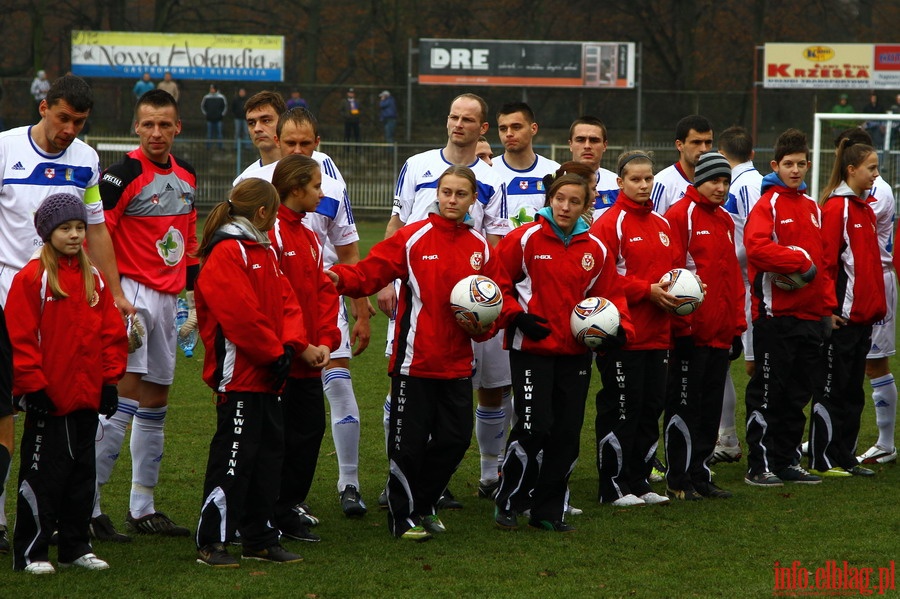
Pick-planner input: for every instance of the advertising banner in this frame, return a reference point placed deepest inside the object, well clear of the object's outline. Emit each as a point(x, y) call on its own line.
point(832, 66)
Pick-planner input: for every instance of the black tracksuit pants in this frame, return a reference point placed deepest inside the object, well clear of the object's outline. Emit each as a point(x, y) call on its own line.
point(627, 425)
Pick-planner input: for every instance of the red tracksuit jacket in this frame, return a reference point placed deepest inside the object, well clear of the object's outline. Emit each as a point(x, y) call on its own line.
point(299, 255)
point(703, 240)
point(247, 312)
point(551, 276)
point(68, 346)
point(852, 257)
point(641, 243)
point(429, 257)
point(784, 217)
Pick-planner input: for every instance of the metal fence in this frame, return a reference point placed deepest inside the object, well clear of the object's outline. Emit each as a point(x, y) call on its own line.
point(370, 169)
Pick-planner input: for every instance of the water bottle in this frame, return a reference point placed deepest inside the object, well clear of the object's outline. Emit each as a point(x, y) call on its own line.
point(188, 342)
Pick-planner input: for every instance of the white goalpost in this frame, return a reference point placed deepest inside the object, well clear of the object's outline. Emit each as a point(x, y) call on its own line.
point(828, 124)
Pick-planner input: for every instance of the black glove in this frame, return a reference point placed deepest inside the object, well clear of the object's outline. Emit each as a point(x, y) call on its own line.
point(282, 367)
point(39, 403)
point(737, 348)
point(109, 401)
point(809, 275)
point(532, 325)
point(684, 346)
point(612, 342)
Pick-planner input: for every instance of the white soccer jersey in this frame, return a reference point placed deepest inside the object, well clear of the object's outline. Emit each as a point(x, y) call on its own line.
point(882, 201)
point(746, 184)
point(30, 176)
point(416, 192)
point(332, 221)
point(328, 166)
point(669, 186)
point(607, 191)
point(525, 193)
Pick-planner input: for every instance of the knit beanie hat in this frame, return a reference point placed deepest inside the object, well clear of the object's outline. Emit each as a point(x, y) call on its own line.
point(57, 209)
point(710, 166)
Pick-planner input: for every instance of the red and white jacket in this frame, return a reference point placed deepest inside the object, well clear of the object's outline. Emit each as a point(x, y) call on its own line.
point(551, 276)
point(703, 241)
point(299, 254)
point(853, 257)
point(640, 242)
point(68, 346)
point(783, 217)
point(247, 312)
point(429, 257)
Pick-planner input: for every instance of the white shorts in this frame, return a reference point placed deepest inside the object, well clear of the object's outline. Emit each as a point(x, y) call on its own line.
point(884, 331)
point(155, 359)
point(343, 323)
point(491, 364)
point(7, 273)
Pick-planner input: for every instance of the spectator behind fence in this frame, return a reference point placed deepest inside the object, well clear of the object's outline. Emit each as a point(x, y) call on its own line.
point(213, 105)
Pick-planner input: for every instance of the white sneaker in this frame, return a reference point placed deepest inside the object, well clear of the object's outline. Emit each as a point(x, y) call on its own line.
point(88, 561)
point(726, 453)
point(571, 510)
point(652, 498)
point(804, 448)
point(40, 568)
point(629, 500)
point(877, 455)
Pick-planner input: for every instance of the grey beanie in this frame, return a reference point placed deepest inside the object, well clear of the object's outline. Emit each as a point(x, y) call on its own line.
point(710, 166)
point(57, 209)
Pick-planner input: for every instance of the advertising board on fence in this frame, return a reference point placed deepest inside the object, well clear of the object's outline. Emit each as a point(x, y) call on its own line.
point(526, 63)
point(832, 66)
point(185, 55)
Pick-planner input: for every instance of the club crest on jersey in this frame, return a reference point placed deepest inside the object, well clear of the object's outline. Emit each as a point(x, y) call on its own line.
point(187, 198)
point(477, 260)
point(664, 239)
point(154, 199)
point(95, 299)
point(69, 174)
point(49, 172)
point(171, 247)
point(540, 185)
point(523, 185)
point(587, 262)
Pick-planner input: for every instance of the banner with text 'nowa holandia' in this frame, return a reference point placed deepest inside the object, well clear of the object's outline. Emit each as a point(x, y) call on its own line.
point(832, 66)
point(185, 55)
point(526, 63)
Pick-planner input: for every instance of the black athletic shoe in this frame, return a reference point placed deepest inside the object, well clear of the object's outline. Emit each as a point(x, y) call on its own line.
point(102, 529)
point(215, 555)
point(275, 553)
point(505, 519)
point(382, 499)
point(683, 494)
point(488, 490)
point(351, 502)
point(712, 491)
point(305, 513)
point(448, 502)
point(4, 541)
point(298, 531)
point(155, 524)
point(557, 526)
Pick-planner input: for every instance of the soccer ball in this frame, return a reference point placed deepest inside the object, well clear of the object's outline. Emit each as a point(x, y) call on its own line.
point(790, 281)
point(687, 289)
point(593, 320)
point(476, 299)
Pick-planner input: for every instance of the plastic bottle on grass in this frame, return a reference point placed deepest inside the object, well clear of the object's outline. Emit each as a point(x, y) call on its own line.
point(188, 342)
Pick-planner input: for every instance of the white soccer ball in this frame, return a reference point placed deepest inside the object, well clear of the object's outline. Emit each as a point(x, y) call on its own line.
point(687, 289)
point(476, 299)
point(593, 320)
point(791, 281)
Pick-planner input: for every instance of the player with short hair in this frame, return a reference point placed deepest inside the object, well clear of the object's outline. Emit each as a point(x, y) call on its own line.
point(693, 136)
point(36, 162)
point(149, 201)
point(737, 147)
point(588, 142)
point(484, 151)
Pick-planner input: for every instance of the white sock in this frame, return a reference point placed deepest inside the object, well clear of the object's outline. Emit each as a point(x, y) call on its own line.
point(727, 420)
point(7, 466)
point(110, 434)
point(884, 395)
point(387, 420)
point(146, 455)
point(491, 436)
point(344, 424)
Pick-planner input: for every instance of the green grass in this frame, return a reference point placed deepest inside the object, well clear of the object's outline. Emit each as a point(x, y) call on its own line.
point(707, 549)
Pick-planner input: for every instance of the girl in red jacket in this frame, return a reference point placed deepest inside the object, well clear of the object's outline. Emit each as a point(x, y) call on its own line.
point(634, 377)
point(251, 326)
point(554, 263)
point(852, 260)
point(299, 183)
point(69, 351)
point(431, 366)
